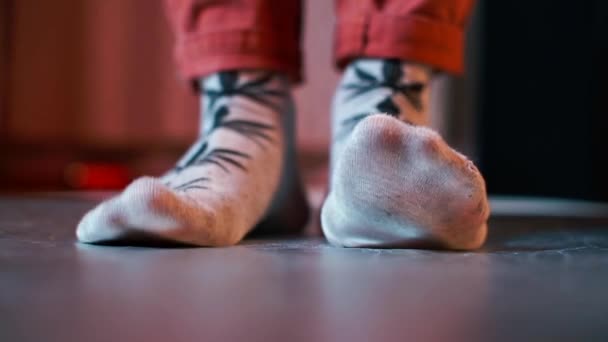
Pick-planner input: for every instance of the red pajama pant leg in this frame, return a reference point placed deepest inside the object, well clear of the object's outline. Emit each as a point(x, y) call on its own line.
point(425, 31)
point(217, 35)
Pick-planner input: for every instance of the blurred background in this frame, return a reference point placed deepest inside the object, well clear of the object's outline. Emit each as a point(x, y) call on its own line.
point(89, 97)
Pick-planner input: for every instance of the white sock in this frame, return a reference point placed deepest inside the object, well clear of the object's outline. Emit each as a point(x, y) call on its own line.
point(394, 182)
point(240, 172)
point(372, 86)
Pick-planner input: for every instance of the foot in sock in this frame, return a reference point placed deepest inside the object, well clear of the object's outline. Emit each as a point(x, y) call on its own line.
point(240, 172)
point(395, 183)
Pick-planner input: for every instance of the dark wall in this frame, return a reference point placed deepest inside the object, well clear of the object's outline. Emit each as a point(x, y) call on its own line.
point(543, 111)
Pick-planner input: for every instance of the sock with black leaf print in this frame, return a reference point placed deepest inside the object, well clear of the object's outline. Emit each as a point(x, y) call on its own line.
point(394, 182)
point(240, 172)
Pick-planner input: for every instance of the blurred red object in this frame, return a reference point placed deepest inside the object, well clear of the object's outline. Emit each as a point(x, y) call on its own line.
point(97, 176)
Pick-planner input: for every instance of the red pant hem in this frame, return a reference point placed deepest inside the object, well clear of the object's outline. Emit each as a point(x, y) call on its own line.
point(413, 38)
point(202, 54)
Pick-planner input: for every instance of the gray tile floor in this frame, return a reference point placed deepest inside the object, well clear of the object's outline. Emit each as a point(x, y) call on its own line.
point(537, 279)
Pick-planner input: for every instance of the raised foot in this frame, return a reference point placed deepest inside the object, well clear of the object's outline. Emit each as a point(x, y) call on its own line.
point(397, 185)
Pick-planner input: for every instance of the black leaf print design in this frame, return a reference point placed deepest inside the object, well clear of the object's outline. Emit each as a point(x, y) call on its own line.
point(258, 132)
point(258, 83)
point(228, 79)
point(254, 90)
point(222, 156)
point(253, 130)
point(363, 75)
point(389, 107)
point(250, 129)
point(217, 156)
point(348, 124)
point(196, 155)
point(196, 183)
point(392, 73)
point(219, 116)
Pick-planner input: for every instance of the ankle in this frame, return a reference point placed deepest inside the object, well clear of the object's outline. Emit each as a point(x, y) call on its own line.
point(370, 86)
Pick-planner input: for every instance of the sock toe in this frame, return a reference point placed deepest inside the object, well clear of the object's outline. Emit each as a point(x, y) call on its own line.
point(96, 225)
